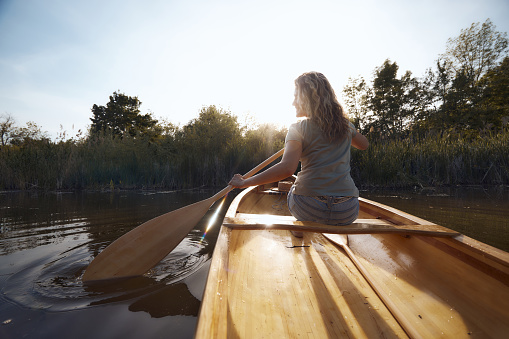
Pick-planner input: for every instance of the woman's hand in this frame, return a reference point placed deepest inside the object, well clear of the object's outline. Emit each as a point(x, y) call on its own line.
point(238, 181)
point(281, 170)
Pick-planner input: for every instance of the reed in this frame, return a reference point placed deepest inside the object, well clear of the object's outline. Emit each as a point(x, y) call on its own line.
point(105, 163)
point(96, 163)
point(434, 161)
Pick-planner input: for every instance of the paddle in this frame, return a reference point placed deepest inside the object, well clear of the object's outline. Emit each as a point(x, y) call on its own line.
point(342, 241)
point(142, 248)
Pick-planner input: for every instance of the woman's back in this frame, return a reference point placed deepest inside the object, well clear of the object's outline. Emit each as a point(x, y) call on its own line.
point(325, 166)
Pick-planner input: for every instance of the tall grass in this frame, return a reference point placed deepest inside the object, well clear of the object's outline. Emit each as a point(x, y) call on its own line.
point(96, 163)
point(104, 163)
point(434, 161)
point(109, 163)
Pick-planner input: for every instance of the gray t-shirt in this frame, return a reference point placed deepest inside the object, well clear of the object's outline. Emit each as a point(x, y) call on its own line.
point(325, 166)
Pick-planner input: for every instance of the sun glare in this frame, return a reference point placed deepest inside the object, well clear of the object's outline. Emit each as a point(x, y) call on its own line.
point(266, 219)
point(213, 219)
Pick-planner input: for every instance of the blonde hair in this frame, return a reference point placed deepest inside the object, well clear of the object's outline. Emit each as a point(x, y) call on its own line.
point(317, 98)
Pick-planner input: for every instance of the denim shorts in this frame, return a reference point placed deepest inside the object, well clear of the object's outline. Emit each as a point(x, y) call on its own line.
point(330, 210)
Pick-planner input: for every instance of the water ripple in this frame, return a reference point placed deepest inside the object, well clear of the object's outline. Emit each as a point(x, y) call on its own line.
point(53, 282)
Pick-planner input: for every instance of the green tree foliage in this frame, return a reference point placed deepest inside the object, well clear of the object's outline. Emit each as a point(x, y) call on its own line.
point(389, 100)
point(465, 94)
point(121, 116)
point(260, 143)
point(209, 144)
point(6, 129)
point(494, 102)
point(420, 100)
point(475, 51)
point(20, 136)
point(469, 57)
point(355, 96)
point(385, 101)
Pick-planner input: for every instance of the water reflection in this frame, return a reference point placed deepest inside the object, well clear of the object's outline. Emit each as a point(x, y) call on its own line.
point(47, 241)
point(169, 301)
point(480, 213)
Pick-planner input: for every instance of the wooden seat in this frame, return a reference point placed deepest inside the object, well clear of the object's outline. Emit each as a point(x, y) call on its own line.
point(360, 226)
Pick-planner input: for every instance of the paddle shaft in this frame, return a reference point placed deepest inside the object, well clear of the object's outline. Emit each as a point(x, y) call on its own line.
point(249, 174)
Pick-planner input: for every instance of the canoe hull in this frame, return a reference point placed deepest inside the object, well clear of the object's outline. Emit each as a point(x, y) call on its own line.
point(267, 283)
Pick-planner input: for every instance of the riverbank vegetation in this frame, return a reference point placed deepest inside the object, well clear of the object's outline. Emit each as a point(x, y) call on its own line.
point(205, 152)
point(449, 127)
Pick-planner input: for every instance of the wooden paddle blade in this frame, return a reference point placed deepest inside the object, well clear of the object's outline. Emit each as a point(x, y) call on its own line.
point(142, 248)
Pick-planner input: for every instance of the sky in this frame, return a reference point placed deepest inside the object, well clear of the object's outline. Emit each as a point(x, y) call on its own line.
point(60, 57)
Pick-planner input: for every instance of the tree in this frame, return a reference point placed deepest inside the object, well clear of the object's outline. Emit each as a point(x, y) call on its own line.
point(10, 134)
point(496, 86)
point(214, 131)
point(387, 99)
point(208, 143)
point(432, 92)
point(494, 101)
point(422, 97)
point(476, 50)
point(441, 82)
point(261, 142)
point(6, 128)
point(121, 116)
point(355, 95)
point(458, 88)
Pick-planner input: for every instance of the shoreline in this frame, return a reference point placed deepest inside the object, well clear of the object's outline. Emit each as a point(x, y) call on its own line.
point(194, 189)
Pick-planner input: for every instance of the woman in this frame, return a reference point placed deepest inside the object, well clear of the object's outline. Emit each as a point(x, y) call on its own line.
point(324, 191)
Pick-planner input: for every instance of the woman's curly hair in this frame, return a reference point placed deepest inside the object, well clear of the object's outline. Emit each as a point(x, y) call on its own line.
point(317, 98)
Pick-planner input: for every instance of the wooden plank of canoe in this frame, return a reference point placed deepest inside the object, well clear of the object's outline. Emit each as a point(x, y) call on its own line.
point(278, 286)
point(361, 226)
point(442, 295)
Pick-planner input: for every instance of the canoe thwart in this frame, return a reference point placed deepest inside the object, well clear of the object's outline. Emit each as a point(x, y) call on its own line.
point(360, 226)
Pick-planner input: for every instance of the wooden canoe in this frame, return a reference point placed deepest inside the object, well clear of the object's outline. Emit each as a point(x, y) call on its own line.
point(399, 276)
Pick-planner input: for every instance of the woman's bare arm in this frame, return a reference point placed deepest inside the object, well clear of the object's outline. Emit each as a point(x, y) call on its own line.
point(359, 141)
point(279, 171)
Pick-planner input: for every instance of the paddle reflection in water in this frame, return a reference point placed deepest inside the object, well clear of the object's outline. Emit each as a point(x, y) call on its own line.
point(47, 241)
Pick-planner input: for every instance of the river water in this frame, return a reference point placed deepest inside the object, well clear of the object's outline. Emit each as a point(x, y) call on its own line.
point(48, 239)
